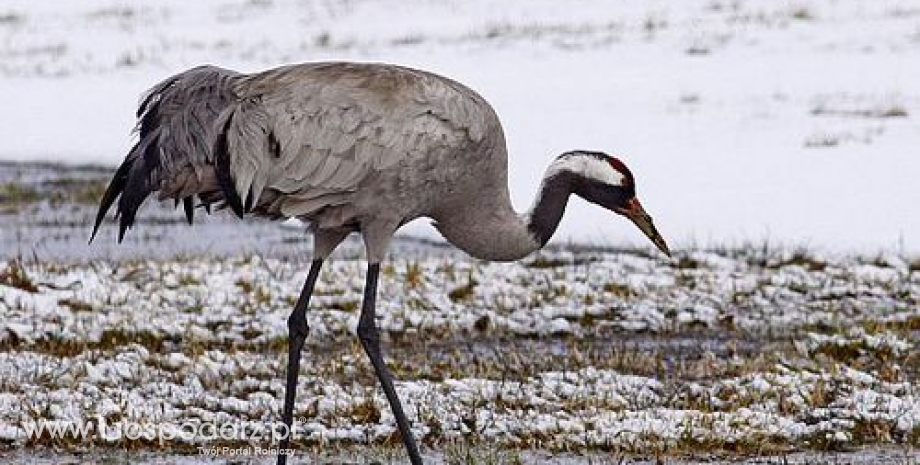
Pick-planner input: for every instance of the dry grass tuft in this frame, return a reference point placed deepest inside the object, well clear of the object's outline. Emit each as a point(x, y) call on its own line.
point(803, 259)
point(465, 291)
point(415, 276)
point(15, 276)
point(76, 305)
point(17, 194)
point(620, 290)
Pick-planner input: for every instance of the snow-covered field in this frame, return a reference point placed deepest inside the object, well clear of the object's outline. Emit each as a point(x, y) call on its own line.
point(788, 120)
point(717, 352)
point(614, 353)
point(775, 143)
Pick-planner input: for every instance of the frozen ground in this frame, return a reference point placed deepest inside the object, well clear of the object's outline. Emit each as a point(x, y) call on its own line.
point(867, 456)
point(610, 353)
point(744, 120)
point(628, 360)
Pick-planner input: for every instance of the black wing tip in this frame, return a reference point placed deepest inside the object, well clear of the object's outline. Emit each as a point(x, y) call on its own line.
point(112, 192)
point(104, 206)
point(93, 235)
point(231, 197)
point(189, 207)
point(122, 229)
point(100, 215)
point(222, 170)
point(130, 187)
point(236, 205)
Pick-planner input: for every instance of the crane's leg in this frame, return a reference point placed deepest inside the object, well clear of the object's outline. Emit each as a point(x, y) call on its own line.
point(297, 334)
point(370, 340)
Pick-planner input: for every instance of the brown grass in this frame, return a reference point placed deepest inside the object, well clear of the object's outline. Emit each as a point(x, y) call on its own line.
point(15, 276)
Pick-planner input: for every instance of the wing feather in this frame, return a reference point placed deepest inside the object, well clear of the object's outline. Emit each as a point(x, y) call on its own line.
point(172, 154)
point(329, 128)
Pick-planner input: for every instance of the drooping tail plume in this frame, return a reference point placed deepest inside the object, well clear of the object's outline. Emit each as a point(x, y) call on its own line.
point(173, 153)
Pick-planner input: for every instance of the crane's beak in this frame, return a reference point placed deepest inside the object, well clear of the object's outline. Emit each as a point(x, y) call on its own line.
point(637, 214)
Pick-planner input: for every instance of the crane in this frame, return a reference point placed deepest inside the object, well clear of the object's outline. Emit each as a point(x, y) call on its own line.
point(351, 147)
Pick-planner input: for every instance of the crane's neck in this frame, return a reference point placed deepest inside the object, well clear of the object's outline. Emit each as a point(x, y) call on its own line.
point(494, 231)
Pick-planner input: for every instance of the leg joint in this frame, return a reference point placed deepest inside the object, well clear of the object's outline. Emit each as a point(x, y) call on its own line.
point(297, 325)
point(368, 332)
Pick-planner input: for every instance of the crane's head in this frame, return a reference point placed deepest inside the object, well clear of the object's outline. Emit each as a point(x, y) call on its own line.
point(606, 181)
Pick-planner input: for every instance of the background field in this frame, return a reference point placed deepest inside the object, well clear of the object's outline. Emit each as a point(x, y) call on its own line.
point(774, 142)
point(793, 121)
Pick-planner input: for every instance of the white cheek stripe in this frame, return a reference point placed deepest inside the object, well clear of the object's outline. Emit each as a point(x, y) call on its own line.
point(589, 167)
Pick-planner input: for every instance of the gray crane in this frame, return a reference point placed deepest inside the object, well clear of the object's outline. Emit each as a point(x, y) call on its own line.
point(351, 147)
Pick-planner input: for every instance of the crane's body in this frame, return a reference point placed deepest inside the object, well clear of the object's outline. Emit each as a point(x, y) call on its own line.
point(329, 143)
point(351, 147)
point(391, 120)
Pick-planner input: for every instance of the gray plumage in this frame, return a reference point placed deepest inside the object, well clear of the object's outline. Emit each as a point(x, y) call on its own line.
point(335, 144)
point(351, 147)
